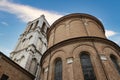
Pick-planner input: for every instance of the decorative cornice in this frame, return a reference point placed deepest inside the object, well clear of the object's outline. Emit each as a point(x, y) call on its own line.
point(35, 48)
point(80, 39)
point(27, 48)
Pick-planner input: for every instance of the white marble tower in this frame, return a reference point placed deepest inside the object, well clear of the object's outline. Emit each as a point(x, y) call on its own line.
point(31, 46)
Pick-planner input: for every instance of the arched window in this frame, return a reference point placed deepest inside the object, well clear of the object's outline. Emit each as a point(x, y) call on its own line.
point(30, 37)
point(36, 24)
point(87, 67)
point(33, 66)
point(114, 60)
point(58, 70)
point(30, 27)
point(24, 42)
point(43, 27)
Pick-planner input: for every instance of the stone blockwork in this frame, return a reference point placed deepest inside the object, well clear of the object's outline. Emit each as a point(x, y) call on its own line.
point(13, 70)
point(31, 46)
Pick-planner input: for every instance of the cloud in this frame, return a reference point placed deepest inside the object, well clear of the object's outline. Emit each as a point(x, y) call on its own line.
point(4, 23)
point(110, 33)
point(27, 13)
point(119, 43)
point(5, 51)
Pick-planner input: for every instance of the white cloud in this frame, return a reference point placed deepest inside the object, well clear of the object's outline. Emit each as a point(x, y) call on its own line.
point(4, 23)
point(110, 33)
point(27, 13)
point(5, 51)
point(119, 43)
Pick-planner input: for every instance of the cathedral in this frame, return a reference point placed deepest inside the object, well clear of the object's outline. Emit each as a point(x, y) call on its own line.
point(74, 47)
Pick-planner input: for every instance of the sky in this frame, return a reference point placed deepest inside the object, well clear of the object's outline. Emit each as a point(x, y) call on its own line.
point(15, 14)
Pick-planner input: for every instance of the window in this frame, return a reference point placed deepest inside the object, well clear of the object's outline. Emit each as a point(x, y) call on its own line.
point(115, 63)
point(23, 43)
point(33, 66)
point(30, 27)
point(4, 77)
point(43, 27)
point(87, 67)
point(23, 40)
point(30, 37)
point(58, 70)
point(39, 44)
point(36, 24)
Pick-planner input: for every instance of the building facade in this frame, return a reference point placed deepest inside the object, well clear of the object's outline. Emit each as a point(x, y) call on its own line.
point(9, 70)
point(79, 50)
point(74, 47)
point(31, 46)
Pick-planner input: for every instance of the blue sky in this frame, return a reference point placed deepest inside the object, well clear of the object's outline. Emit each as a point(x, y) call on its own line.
point(14, 15)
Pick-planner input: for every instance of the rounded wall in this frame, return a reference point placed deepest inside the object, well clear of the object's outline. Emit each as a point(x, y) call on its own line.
point(74, 25)
point(69, 52)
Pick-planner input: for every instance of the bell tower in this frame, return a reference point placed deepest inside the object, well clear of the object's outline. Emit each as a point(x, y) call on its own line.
point(31, 46)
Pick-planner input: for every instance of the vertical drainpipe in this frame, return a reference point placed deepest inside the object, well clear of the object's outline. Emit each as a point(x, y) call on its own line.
point(83, 21)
